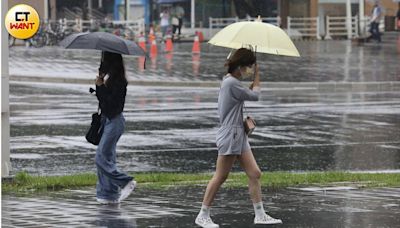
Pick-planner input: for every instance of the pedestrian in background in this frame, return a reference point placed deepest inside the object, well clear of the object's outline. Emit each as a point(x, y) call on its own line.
point(177, 23)
point(232, 141)
point(164, 23)
point(113, 186)
point(375, 19)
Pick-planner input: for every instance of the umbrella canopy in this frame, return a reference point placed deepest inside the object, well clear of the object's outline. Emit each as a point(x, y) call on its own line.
point(102, 41)
point(263, 37)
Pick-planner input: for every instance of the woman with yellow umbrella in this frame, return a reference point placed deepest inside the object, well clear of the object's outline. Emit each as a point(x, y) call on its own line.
point(232, 137)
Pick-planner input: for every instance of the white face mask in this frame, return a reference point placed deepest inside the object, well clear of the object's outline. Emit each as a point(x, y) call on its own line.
point(248, 72)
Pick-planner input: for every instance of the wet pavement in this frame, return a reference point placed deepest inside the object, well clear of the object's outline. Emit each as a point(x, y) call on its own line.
point(297, 207)
point(336, 108)
point(321, 61)
point(317, 125)
point(173, 129)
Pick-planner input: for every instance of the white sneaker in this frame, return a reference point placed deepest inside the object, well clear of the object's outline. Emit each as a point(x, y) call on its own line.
point(206, 222)
point(266, 220)
point(105, 201)
point(127, 190)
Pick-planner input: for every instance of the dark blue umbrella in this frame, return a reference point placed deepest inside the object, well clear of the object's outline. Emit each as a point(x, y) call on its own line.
point(102, 41)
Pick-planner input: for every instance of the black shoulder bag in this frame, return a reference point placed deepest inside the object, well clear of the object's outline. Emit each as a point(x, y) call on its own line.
point(96, 127)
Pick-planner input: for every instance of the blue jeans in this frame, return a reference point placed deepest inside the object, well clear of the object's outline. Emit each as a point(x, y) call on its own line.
point(164, 30)
point(375, 31)
point(109, 178)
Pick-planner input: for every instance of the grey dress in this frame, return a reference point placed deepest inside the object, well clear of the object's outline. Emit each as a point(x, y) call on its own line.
point(231, 138)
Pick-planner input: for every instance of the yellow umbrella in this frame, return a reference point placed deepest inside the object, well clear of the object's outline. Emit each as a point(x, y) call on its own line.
point(263, 37)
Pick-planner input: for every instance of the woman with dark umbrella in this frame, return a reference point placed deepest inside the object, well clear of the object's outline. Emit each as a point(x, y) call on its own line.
point(113, 186)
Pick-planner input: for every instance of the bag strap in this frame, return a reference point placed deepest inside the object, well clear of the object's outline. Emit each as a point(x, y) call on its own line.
point(245, 109)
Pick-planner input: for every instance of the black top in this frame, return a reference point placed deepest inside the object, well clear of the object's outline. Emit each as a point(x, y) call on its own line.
point(111, 100)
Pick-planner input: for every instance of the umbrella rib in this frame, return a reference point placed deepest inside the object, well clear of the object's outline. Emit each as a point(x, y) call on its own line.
point(238, 33)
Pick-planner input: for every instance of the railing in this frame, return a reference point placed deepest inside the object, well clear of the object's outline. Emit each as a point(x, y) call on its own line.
point(337, 26)
point(78, 25)
point(272, 20)
point(306, 26)
point(137, 26)
point(303, 27)
point(218, 23)
point(221, 22)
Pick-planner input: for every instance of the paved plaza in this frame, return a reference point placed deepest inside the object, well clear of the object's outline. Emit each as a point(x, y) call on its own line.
point(297, 207)
point(335, 109)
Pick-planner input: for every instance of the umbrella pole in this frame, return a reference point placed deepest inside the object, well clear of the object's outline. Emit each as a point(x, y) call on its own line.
point(229, 55)
point(255, 55)
point(255, 52)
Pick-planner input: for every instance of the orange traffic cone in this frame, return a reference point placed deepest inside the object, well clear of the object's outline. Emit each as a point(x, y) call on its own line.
point(151, 35)
point(153, 62)
point(142, 42)
point(195, 64)
point(201, 36)
point(168, 45)
point(169, 57)
point(196, 45)
point(153, 49)
point(141, 63)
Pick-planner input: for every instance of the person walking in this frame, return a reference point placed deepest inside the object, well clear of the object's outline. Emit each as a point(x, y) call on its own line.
point(164, 23)
point(112, 186)
point(177, 22)
point(376, 18)
point(232, 141)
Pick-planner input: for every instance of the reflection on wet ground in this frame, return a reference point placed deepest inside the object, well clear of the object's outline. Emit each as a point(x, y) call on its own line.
point(321, 61)
point(173, 129)
point(297, 207)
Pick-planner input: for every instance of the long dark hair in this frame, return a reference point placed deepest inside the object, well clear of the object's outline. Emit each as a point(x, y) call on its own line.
point(113, 65)
point(241, 57)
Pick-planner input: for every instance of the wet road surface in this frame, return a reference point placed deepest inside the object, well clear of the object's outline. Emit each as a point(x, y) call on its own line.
point(300, 127)
point(298, 207)
point(173, 129)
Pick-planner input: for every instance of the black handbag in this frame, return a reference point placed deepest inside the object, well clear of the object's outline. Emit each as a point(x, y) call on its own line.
point(96, 129)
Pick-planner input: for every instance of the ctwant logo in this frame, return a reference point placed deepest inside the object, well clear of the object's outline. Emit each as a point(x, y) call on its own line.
point(22, 21)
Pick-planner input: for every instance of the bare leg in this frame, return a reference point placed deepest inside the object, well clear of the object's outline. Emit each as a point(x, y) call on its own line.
point(253, 172)
point(224, 166)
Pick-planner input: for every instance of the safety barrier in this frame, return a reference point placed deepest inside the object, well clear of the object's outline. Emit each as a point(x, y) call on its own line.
point(79, 25)
point(337, 26)
point(303, 27)
point(137, 26)
point(218, 23)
